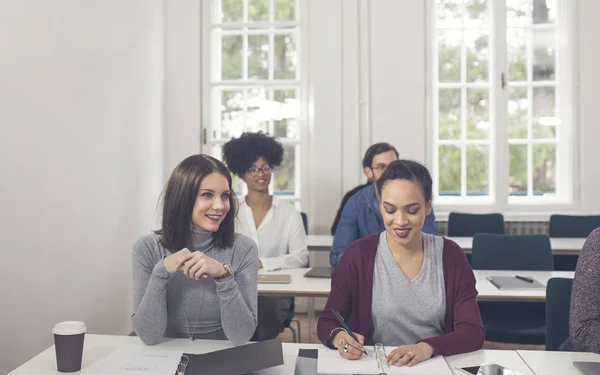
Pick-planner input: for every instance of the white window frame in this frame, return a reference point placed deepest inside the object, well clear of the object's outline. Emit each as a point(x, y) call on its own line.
point(498, 200)
point(211, 65)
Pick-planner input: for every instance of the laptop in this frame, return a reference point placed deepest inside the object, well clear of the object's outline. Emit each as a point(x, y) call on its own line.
point(265, 278)
point(320, 272)
point(588, 368)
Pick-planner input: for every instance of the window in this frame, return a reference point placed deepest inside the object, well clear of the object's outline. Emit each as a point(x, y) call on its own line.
point(254, 69)
point(501, 101)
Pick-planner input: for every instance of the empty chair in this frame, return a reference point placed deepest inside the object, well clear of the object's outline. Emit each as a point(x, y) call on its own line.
point(513, 322)
point(558, 305)
point(571, 226)
point(467, 225)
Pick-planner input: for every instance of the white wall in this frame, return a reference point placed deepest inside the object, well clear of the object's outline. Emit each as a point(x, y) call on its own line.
point(81, 97)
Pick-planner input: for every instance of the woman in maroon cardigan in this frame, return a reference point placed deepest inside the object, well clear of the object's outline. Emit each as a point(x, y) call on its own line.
point(402, 287)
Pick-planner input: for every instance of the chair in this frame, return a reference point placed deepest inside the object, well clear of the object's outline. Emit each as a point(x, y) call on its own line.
point(467, 225)
point(571, 226)
point(558, 305)
point(304, 221)
point(513, 322)
point(288, 323)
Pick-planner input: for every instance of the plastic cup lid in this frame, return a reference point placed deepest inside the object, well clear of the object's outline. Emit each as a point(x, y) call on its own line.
point(69, 328)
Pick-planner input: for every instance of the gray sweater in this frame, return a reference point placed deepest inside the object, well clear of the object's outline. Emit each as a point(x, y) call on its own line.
point(584, 318)
point(173, 305)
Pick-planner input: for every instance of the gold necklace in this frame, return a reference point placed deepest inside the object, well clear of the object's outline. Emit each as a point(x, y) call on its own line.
point(191, 335)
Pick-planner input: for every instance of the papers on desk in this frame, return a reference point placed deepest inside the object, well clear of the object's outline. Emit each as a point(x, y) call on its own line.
point(330, 362)
point(136, 362)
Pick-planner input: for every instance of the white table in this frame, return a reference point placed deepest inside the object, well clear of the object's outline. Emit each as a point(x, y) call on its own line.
point(560, 246)
point(301, 286)
point(98, 347)
point(556, 362)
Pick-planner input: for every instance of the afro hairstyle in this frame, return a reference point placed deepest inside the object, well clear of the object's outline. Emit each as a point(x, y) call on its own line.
point(240, 153)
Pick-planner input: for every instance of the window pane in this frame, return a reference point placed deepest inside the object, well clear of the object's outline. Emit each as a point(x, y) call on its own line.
point(518, 107)
point(544, 113)
point(258, 57)
point(476, 13)
point(232, 10)
point(285, 113)
point(231, 57)
point(517, 54)
point(477, 170)
point(232, 113)
point(285, 10)
point(476, 43)
point(478, 114)
point(258, 10)
point(286, 56)
point(544, 55)
point(285, 176)
point(544, 11)
point(516, 12)
point(257, 111)
point(449, 170)
point(449, 13)
point(518, 170)
point(449, 114)
point(449, 55)
point(544, 169)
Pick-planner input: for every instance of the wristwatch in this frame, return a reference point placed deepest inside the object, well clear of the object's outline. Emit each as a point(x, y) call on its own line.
point(228, 269)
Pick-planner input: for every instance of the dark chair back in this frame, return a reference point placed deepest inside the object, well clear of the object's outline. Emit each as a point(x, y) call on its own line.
point(467, 225)
point(504, 252)
point(573, 226)
point(304, 221)
point(558, 305)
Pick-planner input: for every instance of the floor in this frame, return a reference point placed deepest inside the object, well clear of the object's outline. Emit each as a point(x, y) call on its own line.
point(311, 337)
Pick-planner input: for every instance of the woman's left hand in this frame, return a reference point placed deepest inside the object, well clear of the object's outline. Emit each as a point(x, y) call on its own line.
point(201, 266)
point(410, 355)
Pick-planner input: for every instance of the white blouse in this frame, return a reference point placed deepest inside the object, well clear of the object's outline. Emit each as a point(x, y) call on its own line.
point(281, 238)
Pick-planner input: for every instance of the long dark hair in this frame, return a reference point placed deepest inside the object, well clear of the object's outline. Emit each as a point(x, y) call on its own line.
point(179, 196)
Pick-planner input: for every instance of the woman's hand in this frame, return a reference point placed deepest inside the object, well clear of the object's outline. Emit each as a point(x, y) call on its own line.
point(410, 355)
point(200, 266)
point(347, 346)
point(174, 262)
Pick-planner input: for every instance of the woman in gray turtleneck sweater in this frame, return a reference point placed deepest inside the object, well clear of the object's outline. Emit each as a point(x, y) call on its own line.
point(195, 278)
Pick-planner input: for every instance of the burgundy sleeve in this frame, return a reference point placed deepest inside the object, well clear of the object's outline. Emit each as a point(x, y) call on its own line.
point(468, 334)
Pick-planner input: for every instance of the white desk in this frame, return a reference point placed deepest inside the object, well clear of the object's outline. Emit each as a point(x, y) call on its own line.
point(556, 362)
point(560, 246)
point(488, 292)
point(301, 286)
point(98, 347)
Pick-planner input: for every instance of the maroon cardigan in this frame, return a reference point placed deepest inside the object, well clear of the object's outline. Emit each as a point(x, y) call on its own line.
point(352, 289)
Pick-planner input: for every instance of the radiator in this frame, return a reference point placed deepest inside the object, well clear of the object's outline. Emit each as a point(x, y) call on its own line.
point(510, 227)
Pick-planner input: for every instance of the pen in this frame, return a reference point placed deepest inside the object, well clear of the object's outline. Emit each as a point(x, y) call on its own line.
point(526, 279)
point(345, 326)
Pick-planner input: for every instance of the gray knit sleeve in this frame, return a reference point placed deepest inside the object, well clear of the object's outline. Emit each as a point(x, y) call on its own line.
point(584, 325)
point(238, 294)
point(149, 312)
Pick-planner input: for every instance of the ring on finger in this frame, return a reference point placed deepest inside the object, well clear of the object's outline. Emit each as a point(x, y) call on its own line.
point(345, 347)
point(411, 354)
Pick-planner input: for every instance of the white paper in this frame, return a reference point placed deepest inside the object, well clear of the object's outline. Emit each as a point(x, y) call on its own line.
point(330, 362)
point(147, 361)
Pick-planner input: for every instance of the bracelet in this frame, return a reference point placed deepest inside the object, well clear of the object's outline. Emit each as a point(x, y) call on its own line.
point(336, 328)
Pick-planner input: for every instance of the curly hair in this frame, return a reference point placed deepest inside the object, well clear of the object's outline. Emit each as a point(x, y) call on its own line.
point(240, 153)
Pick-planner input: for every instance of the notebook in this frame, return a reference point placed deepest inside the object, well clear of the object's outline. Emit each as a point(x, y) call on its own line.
point(330, 362)
point(237, 360)
point(511, 282)
point(320, 272)
point(265, 278)
point(588, 368)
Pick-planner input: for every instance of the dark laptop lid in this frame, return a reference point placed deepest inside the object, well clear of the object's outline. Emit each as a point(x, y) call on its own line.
point(321, 272)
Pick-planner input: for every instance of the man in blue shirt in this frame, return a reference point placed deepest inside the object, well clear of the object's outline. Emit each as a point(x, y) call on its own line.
point(360, 214)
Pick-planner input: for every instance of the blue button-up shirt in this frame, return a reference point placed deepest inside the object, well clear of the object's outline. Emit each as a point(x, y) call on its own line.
point(360, 217)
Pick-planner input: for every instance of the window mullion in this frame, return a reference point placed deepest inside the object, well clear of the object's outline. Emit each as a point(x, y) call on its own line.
point(500, 154)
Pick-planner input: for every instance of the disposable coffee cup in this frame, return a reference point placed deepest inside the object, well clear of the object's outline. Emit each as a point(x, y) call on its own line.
point(68, 342)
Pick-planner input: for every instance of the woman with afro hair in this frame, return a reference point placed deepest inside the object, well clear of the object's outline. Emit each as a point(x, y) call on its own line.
point(275, 225)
